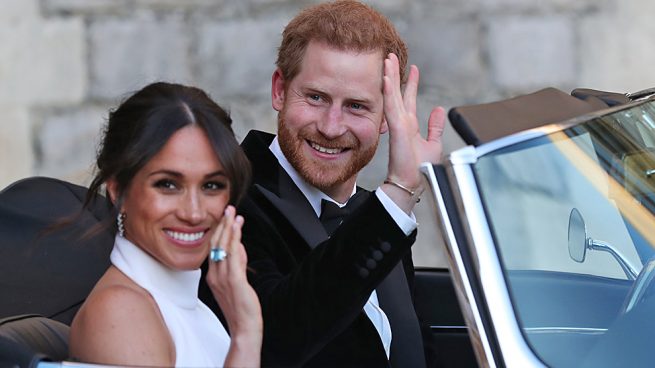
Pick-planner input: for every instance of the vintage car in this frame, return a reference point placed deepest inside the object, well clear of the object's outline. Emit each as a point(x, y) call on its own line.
point(546, 216)
point(548, 220)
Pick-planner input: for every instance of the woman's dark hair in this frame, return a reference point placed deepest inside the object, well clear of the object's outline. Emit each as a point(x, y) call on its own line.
point(142, 124)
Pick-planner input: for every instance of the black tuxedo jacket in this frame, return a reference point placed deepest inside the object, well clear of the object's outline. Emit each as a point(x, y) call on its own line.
point(312, 287)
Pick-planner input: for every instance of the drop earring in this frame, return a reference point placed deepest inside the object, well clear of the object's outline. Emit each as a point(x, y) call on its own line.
point(121, 226)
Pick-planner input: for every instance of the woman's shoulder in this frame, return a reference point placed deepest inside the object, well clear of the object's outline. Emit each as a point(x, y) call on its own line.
point(117, 320)
point(114, 295)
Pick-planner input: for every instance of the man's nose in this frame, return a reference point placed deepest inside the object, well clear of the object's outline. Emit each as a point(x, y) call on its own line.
point(332, 124)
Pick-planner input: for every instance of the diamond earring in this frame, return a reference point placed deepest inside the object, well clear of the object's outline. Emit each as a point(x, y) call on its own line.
point(121, 226)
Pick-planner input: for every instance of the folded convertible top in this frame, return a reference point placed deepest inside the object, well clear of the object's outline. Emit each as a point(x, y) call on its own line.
point(478, 124)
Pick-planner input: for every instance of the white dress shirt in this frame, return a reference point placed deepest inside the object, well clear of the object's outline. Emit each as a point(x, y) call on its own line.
point(314, 196)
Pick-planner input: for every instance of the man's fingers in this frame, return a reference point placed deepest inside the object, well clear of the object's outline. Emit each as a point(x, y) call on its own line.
point(411, 90)
point(436, 124)
point(393, 100)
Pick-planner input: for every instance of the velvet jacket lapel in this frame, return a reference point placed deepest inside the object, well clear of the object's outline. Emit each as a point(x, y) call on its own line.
point(278, 188)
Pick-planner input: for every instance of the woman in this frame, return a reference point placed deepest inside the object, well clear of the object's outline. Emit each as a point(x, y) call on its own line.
point(173, 171)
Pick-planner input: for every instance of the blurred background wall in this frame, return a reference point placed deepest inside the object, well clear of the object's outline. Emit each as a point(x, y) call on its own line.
point(64, 63)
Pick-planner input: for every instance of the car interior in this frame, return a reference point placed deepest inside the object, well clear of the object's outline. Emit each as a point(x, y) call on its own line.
point(52, 254)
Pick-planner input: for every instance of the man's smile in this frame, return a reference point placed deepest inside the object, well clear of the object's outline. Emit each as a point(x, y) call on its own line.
point(322, 149)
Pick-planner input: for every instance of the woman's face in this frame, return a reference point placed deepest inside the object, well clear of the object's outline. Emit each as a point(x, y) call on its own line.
point(175, 202)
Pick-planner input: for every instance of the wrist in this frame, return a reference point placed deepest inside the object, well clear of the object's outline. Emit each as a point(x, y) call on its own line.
point(413, 193)
point(247, 339)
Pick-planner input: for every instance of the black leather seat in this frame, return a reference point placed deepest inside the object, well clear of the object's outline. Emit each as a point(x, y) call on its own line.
point(45, 273)
point(27, 339)
point(49, 272)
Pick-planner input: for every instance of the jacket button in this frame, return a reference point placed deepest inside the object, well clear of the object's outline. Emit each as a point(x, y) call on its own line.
point(371, 264)
point(363, 273)
point(385, 247)
point(377, 255)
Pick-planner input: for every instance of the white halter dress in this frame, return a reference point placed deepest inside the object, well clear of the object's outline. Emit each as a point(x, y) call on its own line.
point(199, 337)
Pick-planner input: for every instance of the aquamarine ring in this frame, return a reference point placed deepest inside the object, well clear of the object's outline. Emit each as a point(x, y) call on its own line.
point(217, 254)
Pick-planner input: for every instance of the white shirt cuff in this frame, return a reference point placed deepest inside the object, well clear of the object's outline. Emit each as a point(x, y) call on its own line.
point(406, 223)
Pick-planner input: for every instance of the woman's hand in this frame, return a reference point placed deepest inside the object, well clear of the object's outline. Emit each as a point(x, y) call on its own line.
point(237, 299)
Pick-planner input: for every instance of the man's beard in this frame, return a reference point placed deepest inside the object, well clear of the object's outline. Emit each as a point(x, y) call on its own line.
point(321, 174)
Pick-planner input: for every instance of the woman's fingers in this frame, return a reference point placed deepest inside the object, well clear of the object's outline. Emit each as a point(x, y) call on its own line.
point(221, 242)
point(228, 219)
point(216, 236)
point(236, 246)
point(228, 237)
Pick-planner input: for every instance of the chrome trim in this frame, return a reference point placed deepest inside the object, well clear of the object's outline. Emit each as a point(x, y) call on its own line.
point(464, 155)
point(514, 351)
point(645, 93)
point(459, 275)
point(629, 269)
point(515, 138)
point(557, 330)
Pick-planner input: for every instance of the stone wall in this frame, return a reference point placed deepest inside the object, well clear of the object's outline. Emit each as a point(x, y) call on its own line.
point(64, 63)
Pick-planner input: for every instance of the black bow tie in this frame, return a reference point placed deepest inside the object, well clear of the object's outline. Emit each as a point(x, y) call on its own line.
point(332, 215)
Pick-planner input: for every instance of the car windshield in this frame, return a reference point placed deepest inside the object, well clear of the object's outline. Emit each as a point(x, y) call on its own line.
point(571, 213)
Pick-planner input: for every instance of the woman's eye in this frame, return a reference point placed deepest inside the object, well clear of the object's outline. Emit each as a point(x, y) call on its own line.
point(165, 184)
point(215, 185)
point(315, 97)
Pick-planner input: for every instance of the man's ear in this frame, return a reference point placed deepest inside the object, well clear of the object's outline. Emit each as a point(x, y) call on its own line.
point(277, 90)
point(112, 190)
point(384, 127)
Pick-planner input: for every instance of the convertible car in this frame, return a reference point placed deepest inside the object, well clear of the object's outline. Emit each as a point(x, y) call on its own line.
point(548, 220)
point(546, 216)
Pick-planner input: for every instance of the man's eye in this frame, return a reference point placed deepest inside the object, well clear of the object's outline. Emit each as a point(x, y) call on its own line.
point(356, 106)
point(165, 184)
point(315, 97)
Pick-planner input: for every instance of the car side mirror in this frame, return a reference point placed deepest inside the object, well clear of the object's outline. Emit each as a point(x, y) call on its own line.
point(577, 236)
point(579, 243)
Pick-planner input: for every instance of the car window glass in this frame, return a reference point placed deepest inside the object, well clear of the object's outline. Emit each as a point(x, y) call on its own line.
point(588, 301)
point(534, 191)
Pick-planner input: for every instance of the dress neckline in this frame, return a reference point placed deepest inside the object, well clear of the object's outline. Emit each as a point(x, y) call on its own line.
point(179, 287)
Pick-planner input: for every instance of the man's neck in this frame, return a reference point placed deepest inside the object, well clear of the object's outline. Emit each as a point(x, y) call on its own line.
point(312, 193)
point(341, 192)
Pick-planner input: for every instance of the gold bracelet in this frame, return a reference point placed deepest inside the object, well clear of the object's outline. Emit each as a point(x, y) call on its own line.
point(409, 191)
point(400, 186)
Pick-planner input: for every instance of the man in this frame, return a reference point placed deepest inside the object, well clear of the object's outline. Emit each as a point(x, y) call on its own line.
point(337, 297)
